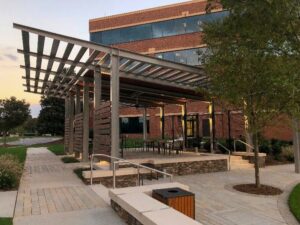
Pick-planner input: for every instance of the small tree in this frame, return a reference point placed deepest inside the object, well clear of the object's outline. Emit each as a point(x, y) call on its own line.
point(247, 61)
point(13, 113)
point(52, 116)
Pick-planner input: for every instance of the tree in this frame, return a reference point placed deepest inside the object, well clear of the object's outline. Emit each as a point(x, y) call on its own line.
point(13, 113)
point(248, 60)
point(52, 116)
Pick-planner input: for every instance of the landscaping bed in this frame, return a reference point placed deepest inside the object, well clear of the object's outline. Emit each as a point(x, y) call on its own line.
point(69, 159)
point(294, 202)
point(263, 190)
point(11, 167)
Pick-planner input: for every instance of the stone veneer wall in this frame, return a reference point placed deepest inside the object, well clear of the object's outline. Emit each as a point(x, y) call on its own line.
point(187, 168)
point(121, 181)
point(177, 169)
point(123, 214)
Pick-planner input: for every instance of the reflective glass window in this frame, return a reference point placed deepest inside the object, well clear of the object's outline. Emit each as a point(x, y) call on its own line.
point(155, 30)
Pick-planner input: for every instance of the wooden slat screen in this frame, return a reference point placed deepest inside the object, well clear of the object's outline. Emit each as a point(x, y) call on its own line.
point(102, 129)
point(67, 134)
point(78, 132)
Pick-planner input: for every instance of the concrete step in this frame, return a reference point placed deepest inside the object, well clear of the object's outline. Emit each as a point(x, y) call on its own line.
point(235, 167)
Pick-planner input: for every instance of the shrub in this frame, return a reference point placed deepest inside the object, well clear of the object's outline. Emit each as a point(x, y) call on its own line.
point(288, 153)
point(265, 147)
point(69, 159)
point(276, 147)
point(10, 172)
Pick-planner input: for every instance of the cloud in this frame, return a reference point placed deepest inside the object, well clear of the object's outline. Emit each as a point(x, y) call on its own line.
point(11, 57)
point(1, 59)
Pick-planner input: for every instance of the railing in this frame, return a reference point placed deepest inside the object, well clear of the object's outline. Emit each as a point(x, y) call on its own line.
point(229, 154)
point(116, 160)
point(238, 140)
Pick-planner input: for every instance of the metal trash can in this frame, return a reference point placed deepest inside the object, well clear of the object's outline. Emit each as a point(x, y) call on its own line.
point(177, 198)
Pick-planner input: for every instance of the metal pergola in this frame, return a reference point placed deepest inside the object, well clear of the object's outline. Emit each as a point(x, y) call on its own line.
point(106, 73)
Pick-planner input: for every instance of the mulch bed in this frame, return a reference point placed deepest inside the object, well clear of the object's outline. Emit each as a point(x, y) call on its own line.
point(263, 190)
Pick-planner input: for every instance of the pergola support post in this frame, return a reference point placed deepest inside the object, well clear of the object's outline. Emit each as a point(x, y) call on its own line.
point(67, 108)
point(184, 124)
point(86, 116)
point(162, 122)
point(77, 101)
point(115, 98)
point(97, 95)
point(211, 126)
point(145, 125)
point(71, 117)
point(296, 143)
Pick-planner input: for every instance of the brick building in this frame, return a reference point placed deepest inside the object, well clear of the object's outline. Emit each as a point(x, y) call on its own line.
point(172, 33)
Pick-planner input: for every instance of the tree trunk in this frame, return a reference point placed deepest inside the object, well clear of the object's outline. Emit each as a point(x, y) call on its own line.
point(296, 143)
point(249, 141)
point(256, 161)
point(4, 139)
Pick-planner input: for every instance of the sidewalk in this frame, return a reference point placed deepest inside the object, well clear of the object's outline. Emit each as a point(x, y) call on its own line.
point(51, 194)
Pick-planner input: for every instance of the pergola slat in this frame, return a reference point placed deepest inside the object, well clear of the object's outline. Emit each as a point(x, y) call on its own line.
point(70, 71)
point(82, 69)
point(26, 47)
point(41, 43)
point(53, 52)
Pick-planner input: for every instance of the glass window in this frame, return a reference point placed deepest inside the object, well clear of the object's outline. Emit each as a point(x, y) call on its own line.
point(205, 128)
point(155, 30)
point(188, 56)
point(132, 125)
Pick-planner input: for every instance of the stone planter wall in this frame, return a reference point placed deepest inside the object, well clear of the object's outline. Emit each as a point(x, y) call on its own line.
point(129, 219)
point(187, 168)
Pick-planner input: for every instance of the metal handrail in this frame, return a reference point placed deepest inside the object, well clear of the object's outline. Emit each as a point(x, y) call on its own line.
point(229, 154)
point(238, 140)
point(119, 160)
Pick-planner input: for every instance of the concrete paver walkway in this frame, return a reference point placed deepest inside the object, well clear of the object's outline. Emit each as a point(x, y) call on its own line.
point(218, 204)
point(51, 194)
point(34, 141)
point(7, 203)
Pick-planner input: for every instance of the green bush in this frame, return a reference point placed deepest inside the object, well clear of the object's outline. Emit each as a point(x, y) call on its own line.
point(10, 172)
point(69, 159)
point(265, 147)
point(294, 202)
point(288, 153)
point(276, 146)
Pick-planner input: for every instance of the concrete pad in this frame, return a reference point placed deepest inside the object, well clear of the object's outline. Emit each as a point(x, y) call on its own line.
point(7, 203)
point(103, 216)
point(168, 217)
point(101, 191)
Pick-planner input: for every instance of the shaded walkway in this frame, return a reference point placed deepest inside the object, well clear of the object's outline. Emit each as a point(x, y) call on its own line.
point(50, 193)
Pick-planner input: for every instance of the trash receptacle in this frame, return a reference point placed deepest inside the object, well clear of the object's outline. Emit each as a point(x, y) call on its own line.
point(177, 198)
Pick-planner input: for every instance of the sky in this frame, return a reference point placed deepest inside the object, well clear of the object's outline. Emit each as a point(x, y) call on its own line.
point(69, 17)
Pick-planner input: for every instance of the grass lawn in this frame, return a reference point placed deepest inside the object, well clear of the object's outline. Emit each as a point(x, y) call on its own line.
point(19, 152)
point(294, 202)
point(6, 221)
point(57, 149)
point(9, 139)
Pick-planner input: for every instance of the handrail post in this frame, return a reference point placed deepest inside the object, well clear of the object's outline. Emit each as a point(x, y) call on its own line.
point(114, 174)
point(91, 164)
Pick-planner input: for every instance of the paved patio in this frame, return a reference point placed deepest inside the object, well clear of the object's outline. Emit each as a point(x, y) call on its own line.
point(218, 204)
point(51, 194)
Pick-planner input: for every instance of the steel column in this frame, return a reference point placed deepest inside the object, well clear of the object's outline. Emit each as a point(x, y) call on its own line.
point(71, 117)
point(115, 98)
point(162, 122)
point(86, 117)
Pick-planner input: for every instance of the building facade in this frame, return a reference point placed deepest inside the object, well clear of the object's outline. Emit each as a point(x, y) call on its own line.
point(172, 33)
